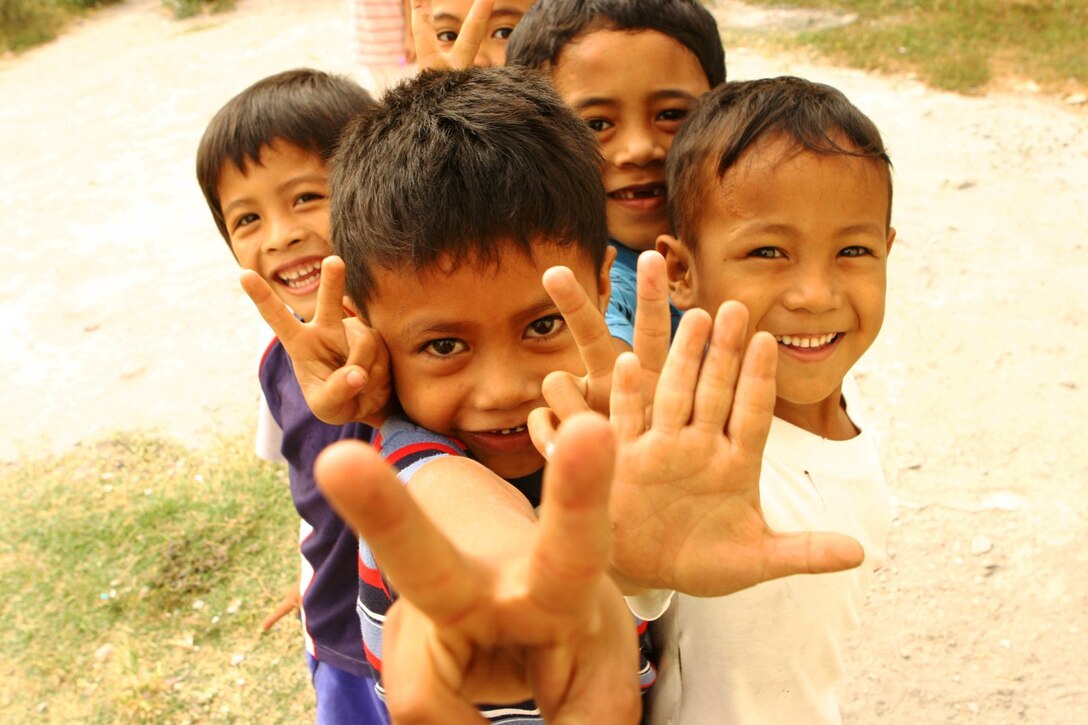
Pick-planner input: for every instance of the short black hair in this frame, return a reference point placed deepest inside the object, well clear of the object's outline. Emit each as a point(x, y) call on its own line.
point(733, 117)
point(304, 107)
point(550, 25)
point(454, 165)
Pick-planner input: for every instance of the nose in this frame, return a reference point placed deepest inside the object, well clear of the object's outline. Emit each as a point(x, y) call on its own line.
point(637, 144)
point(503, 382)
point(282, 232)
point(813, 288)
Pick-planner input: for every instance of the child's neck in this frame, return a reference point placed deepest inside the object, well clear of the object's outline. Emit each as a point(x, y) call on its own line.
point(827, 418)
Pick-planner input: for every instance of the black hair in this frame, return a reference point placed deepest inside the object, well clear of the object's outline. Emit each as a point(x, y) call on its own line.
point(733, 117)
point(455, 165)
point(307, 108)
point(550, 25)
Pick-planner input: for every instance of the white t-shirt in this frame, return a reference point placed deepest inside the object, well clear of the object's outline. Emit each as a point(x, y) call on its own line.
point(773, 653)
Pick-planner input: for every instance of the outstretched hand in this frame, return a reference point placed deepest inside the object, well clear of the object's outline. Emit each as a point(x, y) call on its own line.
point(342, 365)
point(547, 622)
point(685, 500)
point(566, 393)
point(429, 55)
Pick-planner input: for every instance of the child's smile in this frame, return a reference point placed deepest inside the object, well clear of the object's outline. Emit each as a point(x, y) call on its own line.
point(277, 215)
point(469, 347)
point(635, 109)
point(801, 239)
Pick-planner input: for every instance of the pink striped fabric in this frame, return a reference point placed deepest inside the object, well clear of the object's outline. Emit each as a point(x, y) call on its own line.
point(377, 31)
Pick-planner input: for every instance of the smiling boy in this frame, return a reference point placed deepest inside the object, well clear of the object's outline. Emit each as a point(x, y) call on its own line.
point(632, 70)
point(262, 164)
point(781, 199)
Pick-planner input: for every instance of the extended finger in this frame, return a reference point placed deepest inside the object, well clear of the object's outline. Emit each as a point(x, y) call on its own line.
point(653, 318)
point(585, 321)
point(423, 35)
point(718, 376)
point(272, 309)
point(426, 567)
point(573, 539)
point(626, 410)
point(472, 33)
point(753, 404)
point(674, 397)
point(330, 292)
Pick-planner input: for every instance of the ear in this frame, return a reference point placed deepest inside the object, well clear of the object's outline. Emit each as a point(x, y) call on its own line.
point(604, 280)
point(678, 268)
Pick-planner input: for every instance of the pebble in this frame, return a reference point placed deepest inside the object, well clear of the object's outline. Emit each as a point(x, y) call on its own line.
point(981, 545)
point(237, 659)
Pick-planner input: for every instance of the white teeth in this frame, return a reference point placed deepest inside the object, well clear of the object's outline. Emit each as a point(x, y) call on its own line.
point(629, 194)
point(508, 431)
point(300, 276)
point(806, 342)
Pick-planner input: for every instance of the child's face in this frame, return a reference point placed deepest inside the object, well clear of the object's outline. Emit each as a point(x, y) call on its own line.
point(470, 349)
point(277, 216)
point(634, 89)
point(505, 14)
point(802, 240)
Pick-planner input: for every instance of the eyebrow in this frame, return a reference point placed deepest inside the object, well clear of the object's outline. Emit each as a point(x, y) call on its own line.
point(294, 181)
point(430, 326)
point(664, 94)
point(774, 228)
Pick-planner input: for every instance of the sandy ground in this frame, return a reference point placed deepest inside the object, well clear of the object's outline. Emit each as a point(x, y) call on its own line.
point(122, 311)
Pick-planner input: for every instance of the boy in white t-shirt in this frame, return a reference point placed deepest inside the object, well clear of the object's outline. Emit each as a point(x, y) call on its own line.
point(780, 195)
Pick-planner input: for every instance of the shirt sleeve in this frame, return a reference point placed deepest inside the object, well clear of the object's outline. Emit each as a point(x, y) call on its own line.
point(269, 439)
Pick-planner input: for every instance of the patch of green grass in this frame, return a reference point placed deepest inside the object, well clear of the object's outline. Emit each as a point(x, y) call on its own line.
point(25, 23)
point(958, 45)
point(136, 575)
point(189, 8)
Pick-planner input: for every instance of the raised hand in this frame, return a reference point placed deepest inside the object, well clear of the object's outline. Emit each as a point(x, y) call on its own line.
point(543, 621)
point(685, 500)
point(566, 393)
point(342, 365)
point(429, 55)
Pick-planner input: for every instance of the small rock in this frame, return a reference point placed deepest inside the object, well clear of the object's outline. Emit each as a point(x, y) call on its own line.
point(1006, 644)
point(198, 604)
point(237, 659)
point(981, 545)
point(1076, 99)
point(103, 652)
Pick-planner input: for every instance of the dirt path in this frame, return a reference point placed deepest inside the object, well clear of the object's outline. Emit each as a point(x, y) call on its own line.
point(122, 312)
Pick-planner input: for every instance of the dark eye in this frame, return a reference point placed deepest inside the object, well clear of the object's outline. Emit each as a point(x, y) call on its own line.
point(673, 114)
point(502, 33)
point(598, 124)
point(444, 347)
point(855, 251)
point(446, 36)
point(245, 220)
point(308, 196)
point(766, 253)
point(545, 327)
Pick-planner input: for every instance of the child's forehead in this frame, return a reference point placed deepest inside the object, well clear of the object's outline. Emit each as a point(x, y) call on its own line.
point(458, 9)
point(593, 51)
